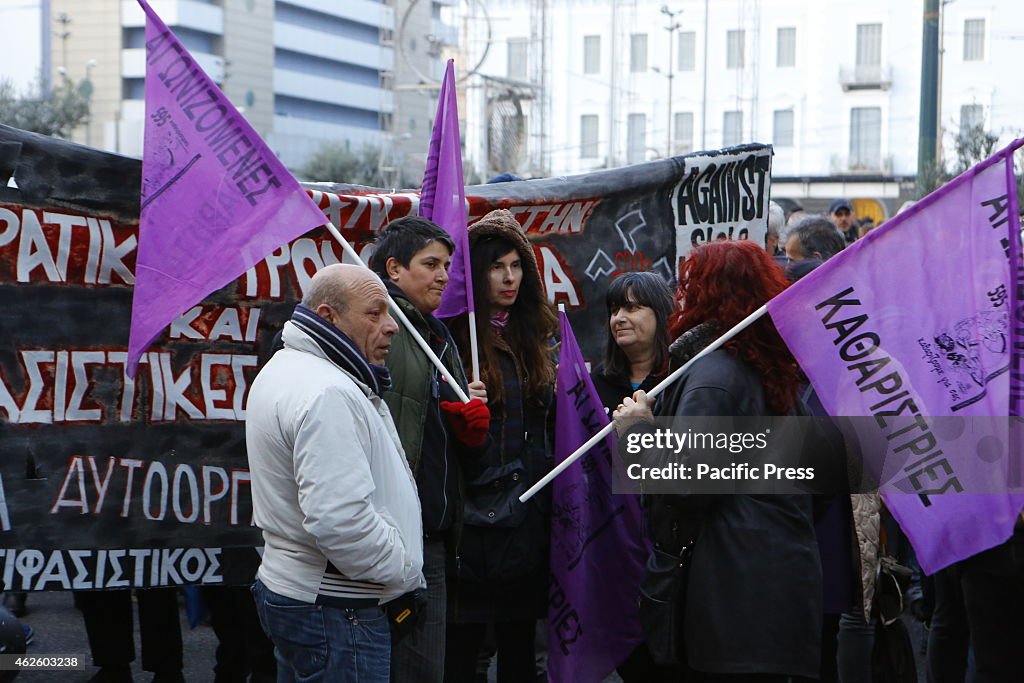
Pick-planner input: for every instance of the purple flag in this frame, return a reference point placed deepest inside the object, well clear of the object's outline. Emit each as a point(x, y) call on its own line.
point(215, 198)
point(598, 549)
point(443, 197)
point(918, 325)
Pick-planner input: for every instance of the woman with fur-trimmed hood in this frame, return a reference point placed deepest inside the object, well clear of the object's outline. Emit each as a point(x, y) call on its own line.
point(501, 574)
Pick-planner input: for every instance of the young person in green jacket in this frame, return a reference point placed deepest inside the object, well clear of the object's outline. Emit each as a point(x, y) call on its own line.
point(438, 432)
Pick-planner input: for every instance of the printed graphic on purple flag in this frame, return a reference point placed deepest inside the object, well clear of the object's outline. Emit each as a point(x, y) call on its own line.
point(918, 325)
point(443, 197)
point(215, 199)
point(598, 549)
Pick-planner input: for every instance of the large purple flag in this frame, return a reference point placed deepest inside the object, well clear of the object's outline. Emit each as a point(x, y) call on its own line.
point(598, 549)
point(215, 198)
point(443, 197)
point(919, 326)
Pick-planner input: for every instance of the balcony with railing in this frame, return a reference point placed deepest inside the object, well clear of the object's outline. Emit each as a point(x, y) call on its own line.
point(865, 77)
point(869, 163)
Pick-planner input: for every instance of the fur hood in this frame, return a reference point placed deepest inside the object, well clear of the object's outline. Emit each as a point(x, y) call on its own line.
point(502, 223)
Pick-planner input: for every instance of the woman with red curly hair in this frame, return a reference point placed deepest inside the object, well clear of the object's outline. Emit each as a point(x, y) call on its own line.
point(752, 609)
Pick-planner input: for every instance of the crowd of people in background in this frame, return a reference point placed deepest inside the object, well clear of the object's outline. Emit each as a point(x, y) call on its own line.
point(396, 547)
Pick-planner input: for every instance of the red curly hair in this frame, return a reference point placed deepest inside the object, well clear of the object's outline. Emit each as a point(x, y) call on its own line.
point(725, 282)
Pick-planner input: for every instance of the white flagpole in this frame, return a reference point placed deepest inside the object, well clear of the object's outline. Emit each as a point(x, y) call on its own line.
point(404, 320)
point(662, 385)
point(474, 348)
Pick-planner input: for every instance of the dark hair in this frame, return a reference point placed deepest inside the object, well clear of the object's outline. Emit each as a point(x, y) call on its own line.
point(645, 289)
point(402, 239)
point(532, 322)
point(724, 282)
point(817, 234)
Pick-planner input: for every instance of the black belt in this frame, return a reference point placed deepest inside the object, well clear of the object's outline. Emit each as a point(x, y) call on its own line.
point(347, 603)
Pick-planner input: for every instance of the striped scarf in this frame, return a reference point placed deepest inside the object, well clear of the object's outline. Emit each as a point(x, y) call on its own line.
point(341, 350)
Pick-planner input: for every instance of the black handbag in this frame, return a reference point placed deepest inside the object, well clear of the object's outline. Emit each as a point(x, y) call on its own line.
point(663, 603)
point(892, 658)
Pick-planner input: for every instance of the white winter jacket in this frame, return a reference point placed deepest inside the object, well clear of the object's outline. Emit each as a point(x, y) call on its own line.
point(331, 487)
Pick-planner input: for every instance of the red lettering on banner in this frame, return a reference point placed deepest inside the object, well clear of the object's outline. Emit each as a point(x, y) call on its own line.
point(630, 262)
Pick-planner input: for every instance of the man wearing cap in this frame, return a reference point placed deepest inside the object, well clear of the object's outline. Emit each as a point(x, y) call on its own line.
point(841, 213)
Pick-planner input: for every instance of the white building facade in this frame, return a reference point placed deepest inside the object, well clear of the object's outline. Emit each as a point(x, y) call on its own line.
point(834, 85)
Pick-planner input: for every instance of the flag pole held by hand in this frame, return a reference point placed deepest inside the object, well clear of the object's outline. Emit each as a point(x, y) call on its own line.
point(662, 385)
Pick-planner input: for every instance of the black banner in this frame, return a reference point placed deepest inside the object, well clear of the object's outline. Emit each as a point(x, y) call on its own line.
point(107, 482)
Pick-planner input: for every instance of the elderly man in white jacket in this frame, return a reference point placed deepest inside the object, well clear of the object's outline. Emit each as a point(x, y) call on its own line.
point(331, 488)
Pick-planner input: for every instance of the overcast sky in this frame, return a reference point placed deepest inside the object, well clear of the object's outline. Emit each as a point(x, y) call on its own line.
point(20, 36)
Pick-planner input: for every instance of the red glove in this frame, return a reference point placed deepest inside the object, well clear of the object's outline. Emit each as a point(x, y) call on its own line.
point(469, 422)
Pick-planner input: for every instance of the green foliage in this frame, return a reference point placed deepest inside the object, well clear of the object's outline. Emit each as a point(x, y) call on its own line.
point(973, 145)
point(931, 178)
point(57, 113)
point(334, 163)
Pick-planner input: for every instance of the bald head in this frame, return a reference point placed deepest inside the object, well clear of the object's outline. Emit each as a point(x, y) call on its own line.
point(338, 284)
point(354, 300)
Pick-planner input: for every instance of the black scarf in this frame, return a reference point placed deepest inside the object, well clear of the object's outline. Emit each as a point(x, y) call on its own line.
point(341, 350)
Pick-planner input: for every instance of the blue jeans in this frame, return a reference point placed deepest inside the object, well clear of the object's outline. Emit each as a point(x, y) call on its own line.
point(314, 643)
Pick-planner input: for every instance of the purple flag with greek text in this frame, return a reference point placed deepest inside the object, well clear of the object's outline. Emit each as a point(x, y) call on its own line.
point(598, 549)
point(215, 199)
point(443, 197)
point(919, 326)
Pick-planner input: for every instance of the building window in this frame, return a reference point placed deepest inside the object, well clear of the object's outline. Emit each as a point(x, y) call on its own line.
point(866, 138)
point(785, 53)
point(687, 51)
point(972, 117)
point(591, 54)
point(732, 128)
point(869, 44)
point(683, 132)
point(638, 52)
point(734, 49)
point(974, 40)
point(588, 136)
point(518, 53)
point(782, 128)
point(636, 138)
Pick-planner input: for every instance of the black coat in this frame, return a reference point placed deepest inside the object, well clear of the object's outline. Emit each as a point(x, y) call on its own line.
point(501, 572)
point(611, 389)
point(754, 600)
